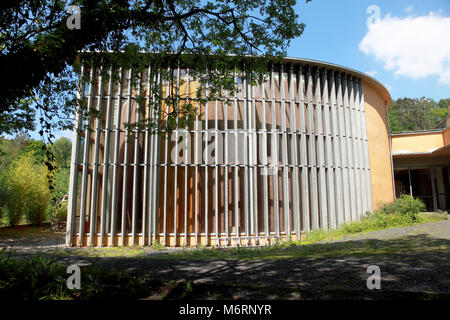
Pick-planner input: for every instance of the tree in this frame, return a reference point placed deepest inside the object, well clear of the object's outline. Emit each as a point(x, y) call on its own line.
point(37, 148)
point(38, 47)
point(10, 149)
point(410, 114)
point(61, 150)
point(443, 103)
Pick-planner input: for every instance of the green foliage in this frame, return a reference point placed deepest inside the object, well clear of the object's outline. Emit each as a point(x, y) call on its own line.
point(42, 278)
point(443, 103)
point(405, 205)
point(37, 42)
point(33, 279)
point(60, 184)
point(403, 211)
point(10, 149)
point(37, 148)
point(61, 150)
point(411, 114)
point(60, 212)
point(24, 178)
point(27, 190)
point(157, 246)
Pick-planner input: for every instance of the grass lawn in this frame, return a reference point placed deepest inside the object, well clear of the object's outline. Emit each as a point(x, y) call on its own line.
point(43, 277)
point(311, 246)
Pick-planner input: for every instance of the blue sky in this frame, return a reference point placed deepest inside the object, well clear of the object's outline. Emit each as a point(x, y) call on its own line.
point(334, 30)
point(409, 39)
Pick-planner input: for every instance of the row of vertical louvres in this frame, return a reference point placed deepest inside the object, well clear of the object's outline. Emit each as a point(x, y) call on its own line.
point(322, 179)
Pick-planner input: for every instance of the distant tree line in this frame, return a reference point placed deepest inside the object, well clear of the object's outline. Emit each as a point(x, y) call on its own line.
point(32, 183)
point(411, 114)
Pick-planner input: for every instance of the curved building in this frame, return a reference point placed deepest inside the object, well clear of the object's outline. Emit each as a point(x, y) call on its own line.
point(308, 148)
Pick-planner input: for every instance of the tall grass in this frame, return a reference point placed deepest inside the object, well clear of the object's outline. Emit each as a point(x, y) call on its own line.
point(403, 211)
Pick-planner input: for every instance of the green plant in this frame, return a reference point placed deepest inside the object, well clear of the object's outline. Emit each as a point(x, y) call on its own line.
point(27, 190)
point(60, 212)
point(404, 205)
point(157, 246)
point(42, 278)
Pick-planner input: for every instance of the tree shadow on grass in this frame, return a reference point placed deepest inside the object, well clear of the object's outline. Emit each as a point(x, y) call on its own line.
point(412, 267)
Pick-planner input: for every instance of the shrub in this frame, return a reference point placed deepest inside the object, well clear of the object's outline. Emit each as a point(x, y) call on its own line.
point(42, 278)
point(28, 191)
point(404, 205)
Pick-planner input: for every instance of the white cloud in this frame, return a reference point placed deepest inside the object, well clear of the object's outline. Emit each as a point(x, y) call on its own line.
point(372, 73)
point(415, 47)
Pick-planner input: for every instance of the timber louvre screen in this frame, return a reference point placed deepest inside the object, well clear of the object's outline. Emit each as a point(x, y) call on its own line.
point(277, 161)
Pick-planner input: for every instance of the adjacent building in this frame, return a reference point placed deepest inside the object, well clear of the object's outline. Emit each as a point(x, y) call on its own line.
point(422, 165)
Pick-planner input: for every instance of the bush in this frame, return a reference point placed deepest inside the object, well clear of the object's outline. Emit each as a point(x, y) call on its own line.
point(404, 206)
point(28, 190)
point(60, 212)
point(41, 278)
